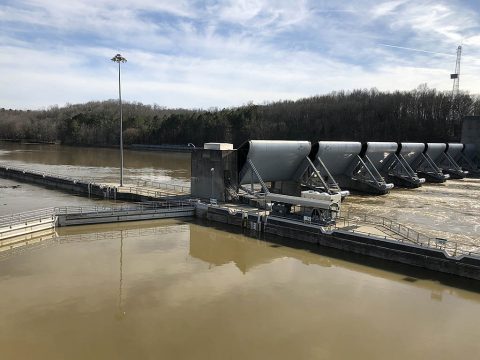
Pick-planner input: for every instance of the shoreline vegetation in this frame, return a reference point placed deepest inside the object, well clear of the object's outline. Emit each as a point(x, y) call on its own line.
point(420, 115)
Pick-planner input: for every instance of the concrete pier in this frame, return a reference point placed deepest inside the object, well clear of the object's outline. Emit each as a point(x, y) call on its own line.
point(91, 189)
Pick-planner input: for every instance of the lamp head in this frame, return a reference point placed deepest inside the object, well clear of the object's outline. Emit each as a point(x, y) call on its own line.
point(119, 59)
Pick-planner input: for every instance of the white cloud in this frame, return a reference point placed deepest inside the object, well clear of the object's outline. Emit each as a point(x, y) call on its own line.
point(225, 53)
point(386, 8)
point(444, 22)
point(262, 13)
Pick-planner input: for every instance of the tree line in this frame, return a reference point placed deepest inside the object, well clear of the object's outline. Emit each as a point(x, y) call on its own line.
point(360, 115)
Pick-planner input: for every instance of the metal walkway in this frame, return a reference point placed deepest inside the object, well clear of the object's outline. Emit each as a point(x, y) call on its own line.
point(21, 227)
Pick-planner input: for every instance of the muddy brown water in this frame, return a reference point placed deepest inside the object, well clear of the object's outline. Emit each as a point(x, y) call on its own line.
point(185, 290)
point(94, 164)
point(182, 290)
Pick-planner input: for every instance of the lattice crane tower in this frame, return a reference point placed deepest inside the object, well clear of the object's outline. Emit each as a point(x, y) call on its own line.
point(456, 75)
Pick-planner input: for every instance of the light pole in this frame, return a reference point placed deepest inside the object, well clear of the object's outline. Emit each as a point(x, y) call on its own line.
point(212, 170)
point(120, 59)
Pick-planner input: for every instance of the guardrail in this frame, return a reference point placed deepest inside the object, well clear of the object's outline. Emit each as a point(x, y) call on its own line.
point(165, 186)
point(150, 192)
point(48, 213)
point(28, 222)
point(19, 218)
point(406, 234)
point(143, 206)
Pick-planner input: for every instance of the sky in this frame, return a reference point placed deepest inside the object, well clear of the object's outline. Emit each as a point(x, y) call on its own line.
point(204, 54)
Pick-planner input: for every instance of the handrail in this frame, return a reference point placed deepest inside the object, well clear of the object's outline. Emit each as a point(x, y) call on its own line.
point(259, 178)
point(455, 248)
point(17, 218)
point(151, 193)
point(167, 186)
point(142, 206)
point(46, 213)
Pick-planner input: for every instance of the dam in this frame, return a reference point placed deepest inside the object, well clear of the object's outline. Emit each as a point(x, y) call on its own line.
point(285, 188)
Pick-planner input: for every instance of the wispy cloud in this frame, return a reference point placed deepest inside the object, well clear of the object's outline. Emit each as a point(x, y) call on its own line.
point(386, 8)
point(224, 53)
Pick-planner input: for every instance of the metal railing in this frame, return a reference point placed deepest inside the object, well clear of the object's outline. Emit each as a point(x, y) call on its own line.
point(26, 216)
point(143, 206)
point(165, 186)
point(404, 233)
point(151, 193)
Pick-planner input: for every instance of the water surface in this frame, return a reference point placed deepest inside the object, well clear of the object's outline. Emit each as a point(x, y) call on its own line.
point(181, 290)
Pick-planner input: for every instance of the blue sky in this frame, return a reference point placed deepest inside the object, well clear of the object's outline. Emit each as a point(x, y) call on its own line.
point(202, 54)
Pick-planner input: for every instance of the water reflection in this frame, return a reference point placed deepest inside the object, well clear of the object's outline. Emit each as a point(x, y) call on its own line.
point(218, 248)
point(121, 312)
point(183, 290)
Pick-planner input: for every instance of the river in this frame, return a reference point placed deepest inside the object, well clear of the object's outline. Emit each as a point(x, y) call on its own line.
point(188, 290)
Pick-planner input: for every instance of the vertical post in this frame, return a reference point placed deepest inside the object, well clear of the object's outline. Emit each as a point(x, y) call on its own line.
point(120, 59)
point(212, 170)
point(121, 125)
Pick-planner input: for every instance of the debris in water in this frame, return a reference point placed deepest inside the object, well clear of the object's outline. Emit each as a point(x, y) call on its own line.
point(9, 187)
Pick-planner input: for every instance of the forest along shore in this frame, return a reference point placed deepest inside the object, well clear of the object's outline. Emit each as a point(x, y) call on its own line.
point(420, 115)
